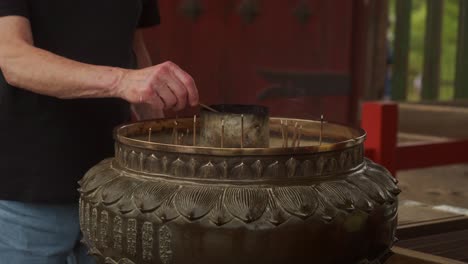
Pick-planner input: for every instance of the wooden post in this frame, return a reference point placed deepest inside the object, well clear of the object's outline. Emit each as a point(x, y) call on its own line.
point(432, 50)
point(380, 121)
point(461, 76)
point(401, 47)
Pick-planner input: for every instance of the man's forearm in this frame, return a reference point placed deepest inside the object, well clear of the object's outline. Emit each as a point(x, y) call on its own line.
point(163, 86)
point(45, 73)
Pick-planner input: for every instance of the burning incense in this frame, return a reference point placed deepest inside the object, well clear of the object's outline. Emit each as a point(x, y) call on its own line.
point(149, 134)
point(222, 133)
point(194, 130)
point(242, 131)
point(321, 130)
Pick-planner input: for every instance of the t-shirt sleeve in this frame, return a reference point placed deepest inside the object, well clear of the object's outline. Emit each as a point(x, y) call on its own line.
point(14, 8)
point(149, 14)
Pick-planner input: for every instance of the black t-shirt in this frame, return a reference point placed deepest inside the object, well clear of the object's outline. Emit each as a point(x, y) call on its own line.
point(47, 144)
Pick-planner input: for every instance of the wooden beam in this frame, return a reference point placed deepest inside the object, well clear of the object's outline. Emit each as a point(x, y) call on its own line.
point(434, 120)
point(429, 154)
point(380, 121)
point(401, 47)
point(432, 50)
point(461, 75)
point(432, 227)
point(403, 255)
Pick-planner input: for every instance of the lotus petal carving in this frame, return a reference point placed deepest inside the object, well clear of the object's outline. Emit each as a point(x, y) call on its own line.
point(247, 204)
point(168, 200)
point(152, 194)
point(300, 201)
point(195, 202)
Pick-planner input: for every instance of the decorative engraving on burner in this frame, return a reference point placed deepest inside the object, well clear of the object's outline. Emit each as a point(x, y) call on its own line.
point(118, 233)
point(131, 236)
point(196, 202)
point(219, 214)
point(180, 165)
point(365, 188)
point(208, 170)
point(147, 241)
point(130, 216)
point(224, 169)
point(343, 159)
point(103, 229)
point(307, 168)
point(331, 165)
point(257, 167)
point(88, 221)
point(109, 260)
point(192, 168)
point(272, 170)
point(358, 154)
point(167, 211)
point(165, 164)
point(320, 165)
point(141, 161)
point(116, 150)
point(94, 226)
point(133, 162)
point(241, 171)
point(152, 164)
point(247, 204)
point(291, 166)
point(124, 157)
point(300, 201)
point(165, 247)
point(81, 206)
point(178, 168)
point(274, 213)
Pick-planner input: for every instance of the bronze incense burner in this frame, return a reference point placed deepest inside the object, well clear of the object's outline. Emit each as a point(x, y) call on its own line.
point(301, 192)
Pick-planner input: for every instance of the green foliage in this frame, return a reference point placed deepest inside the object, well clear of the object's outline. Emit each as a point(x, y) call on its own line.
point(449, 45)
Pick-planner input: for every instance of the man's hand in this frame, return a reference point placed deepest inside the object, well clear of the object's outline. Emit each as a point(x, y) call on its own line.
point(164, 86)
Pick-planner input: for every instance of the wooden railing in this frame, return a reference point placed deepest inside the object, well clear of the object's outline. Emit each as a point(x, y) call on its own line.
point(431, 77)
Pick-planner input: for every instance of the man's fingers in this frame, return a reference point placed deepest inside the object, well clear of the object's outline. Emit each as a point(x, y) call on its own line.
point(156, 102)
point(175, 87)
point(179, 90)
point(168, 98)
point(188, 83)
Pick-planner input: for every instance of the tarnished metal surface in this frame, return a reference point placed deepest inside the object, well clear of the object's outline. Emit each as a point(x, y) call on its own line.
point(249, 122)
point(160, 203)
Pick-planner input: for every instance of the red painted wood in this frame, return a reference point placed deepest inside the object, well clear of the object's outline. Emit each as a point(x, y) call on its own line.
point(359, 57)
point(380, 121)
point(224, 54)
point(276, 40)
point(420, 155)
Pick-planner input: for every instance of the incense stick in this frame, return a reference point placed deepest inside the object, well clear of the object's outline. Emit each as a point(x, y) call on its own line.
point(194, 130)
point(242, 131)
point(208, 108)
point(321, 130)
point(222, 133)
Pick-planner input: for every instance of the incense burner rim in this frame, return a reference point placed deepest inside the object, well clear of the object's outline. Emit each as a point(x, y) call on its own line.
point(121, 136)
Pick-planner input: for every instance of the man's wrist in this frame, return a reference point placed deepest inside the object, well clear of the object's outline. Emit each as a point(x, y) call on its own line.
point(114, 83)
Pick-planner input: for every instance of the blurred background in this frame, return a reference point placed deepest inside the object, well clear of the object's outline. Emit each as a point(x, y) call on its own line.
point(295, 57)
